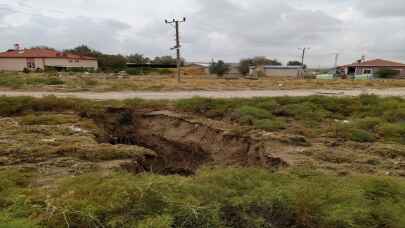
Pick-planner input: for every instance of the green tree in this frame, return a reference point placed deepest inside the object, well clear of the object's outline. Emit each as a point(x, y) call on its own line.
point(220, 68)
point(84, 50)
point(259, 60)
point(105, 62)
point(138, 59)
point(295, 63)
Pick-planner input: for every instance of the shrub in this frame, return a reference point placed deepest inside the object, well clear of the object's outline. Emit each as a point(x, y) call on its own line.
point(368, 123)
point(134, 71)
point(254, 112)
point(219, 68)
point(394, 132)
point(54, 81)
point(164, 71)
point(362, 136)
point(244, 66)
point(270, 125)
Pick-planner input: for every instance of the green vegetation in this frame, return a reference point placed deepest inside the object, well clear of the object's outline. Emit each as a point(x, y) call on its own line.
point(361, 119)
point(16, 82)
point(220, 68)
point(298, 197)
point(223, 197)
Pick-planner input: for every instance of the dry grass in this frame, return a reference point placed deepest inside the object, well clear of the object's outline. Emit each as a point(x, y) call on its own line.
point(71, 82)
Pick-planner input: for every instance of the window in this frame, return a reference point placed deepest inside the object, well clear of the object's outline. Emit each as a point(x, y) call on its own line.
point(367, 71)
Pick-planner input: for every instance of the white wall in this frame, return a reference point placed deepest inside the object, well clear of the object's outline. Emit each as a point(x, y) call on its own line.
point(61, 62)
point(282, 72)
point(13, 64)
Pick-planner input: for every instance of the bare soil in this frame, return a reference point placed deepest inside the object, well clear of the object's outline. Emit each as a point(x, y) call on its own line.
point(398, 92)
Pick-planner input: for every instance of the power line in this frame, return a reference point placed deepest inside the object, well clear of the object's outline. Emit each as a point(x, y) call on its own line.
point(178, 46)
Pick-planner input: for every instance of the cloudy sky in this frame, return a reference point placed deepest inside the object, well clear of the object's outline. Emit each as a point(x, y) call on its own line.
point(220, 29)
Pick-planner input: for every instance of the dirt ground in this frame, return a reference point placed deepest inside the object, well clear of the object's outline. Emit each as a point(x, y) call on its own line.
point(397, 92)
point(174, 143)
point(78, 82)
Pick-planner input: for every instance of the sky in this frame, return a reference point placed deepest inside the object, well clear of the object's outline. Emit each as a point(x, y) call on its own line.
point(215, 29)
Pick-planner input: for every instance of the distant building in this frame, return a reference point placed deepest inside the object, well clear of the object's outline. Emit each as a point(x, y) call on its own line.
point(42, 58)
point(277, 71)
point(370, 67)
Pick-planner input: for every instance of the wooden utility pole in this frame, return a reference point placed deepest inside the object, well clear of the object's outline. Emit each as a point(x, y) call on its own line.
point(303, 60)
point(303, 55)
point(178, 46)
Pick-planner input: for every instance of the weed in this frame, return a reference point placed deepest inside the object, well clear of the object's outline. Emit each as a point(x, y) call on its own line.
point(358, 135)
point(270, 124)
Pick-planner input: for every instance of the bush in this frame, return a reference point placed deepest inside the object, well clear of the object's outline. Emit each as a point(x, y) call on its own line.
point(369, 123)
point(231, 197)
point(244, 66)
point(254, 112)
point(362, 136)
point(270, 125)
point(219, 68)
point(134, 71)
point(164, 71)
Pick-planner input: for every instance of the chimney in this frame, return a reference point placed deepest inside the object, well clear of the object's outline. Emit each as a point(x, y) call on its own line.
point(17, 47)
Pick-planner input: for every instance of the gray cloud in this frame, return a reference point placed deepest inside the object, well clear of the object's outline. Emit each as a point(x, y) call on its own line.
point(226, 29)
point(387, 8)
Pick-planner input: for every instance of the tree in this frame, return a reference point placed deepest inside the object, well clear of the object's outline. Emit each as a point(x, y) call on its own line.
point(84, 50)
point(105, 62)
point(138, 59)
point(112, 62)
point(219, 68)
point(296, 63)
point(164, 60)
point(259, 60)
point(244, 66)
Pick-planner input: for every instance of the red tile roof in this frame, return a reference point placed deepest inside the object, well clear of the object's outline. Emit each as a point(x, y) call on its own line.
point(376, 63)
point(41, 53)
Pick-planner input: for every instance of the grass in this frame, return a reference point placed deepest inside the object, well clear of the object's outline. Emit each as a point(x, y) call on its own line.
point(35, 130)
point(221, 197)
point(362, 119)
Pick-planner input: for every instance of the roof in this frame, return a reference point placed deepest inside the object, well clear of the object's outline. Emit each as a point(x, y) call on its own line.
point(376, 63)
point(41, 53)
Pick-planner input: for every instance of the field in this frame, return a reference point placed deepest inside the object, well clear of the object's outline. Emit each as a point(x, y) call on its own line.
point(264, 162)
point(75, 82)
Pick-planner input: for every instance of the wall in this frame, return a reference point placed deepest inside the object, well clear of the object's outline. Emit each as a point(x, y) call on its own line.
point(282, 72)
point(61, 62)
point(13, 64)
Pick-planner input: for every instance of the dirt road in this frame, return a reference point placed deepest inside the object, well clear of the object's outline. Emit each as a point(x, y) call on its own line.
point(212, 94)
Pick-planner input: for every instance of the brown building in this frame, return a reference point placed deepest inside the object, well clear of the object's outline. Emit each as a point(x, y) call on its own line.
point(371, 66)
point(41, 58)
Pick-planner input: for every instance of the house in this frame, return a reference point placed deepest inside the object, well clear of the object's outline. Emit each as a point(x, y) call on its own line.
point(371, 67)
point(41, 58)
point(277, 71)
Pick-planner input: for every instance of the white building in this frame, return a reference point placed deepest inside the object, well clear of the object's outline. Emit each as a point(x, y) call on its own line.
point(41, 58)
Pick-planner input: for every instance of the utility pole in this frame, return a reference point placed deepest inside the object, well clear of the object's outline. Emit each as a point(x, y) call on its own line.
point(304, 50)
point(303, 59)
point(336, 59)
point(178, 46)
